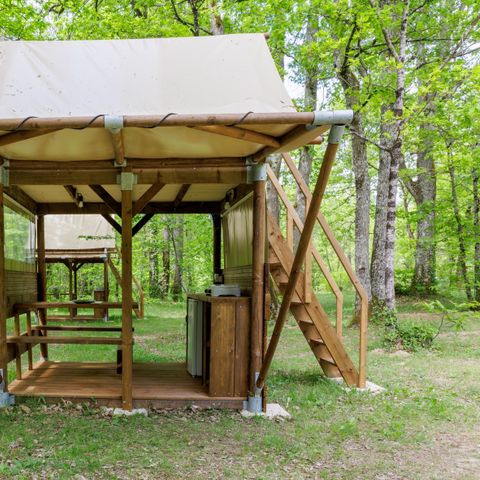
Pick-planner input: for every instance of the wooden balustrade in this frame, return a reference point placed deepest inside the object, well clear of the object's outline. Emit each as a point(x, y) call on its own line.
point(362, 294)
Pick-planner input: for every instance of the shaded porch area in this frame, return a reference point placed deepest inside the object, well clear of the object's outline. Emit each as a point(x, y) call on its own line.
point(157, 385)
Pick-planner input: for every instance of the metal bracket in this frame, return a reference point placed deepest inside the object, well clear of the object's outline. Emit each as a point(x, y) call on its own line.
point(114, 123)
point(6, 400)
point(254, 403)
point(331, 117)
point(256, 172)
point(5, 173)
point(335, 134)
point(127, 180)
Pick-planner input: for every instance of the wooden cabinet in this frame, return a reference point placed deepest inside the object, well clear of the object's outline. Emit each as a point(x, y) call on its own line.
point(226, 345)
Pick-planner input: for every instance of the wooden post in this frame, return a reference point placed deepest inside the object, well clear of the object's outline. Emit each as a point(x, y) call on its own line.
point(3, 300)
point(217, 244)
point(127, 300)
point(258, 262)
point(42, 278)
point(70, 286)
point(29, 346)
point(302, 250)
point(106, 292)
point(18, 357)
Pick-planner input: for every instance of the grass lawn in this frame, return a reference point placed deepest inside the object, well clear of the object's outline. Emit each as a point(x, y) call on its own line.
point(426, 425)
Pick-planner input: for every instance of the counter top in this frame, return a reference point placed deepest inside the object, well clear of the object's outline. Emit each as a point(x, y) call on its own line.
point(208, 298)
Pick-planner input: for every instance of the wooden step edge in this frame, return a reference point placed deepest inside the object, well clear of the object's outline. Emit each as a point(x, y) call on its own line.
point(321, 353)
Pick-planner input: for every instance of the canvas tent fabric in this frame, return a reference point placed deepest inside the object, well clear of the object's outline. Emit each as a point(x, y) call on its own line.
point(205, 75)
point(78, 232)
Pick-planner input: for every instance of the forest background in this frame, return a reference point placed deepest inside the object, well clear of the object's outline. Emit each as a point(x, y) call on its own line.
point(403, 198)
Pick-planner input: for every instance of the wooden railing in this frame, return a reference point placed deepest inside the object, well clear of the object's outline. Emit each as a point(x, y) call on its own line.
point(294, 219)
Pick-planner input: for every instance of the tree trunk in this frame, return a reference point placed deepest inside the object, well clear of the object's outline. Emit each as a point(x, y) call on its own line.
point(462, 255)
point(310, 104)
point(216, 20)
point(178, 233)
point(350, 82)
point(152, 252)
point(476, 236)
point(165, 280)
point(377, 269)
point(273, 203)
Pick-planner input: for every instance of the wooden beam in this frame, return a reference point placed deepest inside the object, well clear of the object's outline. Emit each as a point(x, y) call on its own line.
point(152, 207)
point(141, 223)
point(18, 356)
point(134, 163)
point(162, 120)
point(140, 204)
point(258, 262)
point(181, 193)
point(112, 222)
point(42, 277)
point(24, 339)
point(77, 328)
point(193, 175)
point(118, 147)
point(17, 194)
point(21, 135)
point(295, 138)
point(240, 134)
point(217, 243)
point(29, 347)
point(75, 196)
point(127, 301)
point(107, 198)
point(3, 300)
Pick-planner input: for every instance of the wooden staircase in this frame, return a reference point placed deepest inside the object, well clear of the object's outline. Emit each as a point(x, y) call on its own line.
point(323, 338)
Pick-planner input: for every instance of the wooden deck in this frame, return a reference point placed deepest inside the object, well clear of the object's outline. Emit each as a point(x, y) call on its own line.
point(159, 385)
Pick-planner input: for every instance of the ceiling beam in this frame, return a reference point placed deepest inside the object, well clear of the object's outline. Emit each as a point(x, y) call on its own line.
point(107, 198)
point(141, 223)
point(240, 134)
point(152, 207)
point(140, 204)
point(17, 194)
point(181, 193)
point(112, 222)
point(140, 163)
point(192, 175)
point(75, 195)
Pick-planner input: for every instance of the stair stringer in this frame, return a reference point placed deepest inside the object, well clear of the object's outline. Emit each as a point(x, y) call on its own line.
point(313, 311)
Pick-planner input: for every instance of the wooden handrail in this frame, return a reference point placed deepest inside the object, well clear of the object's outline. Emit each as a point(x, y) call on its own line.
point(301, 252)
point(347, 267)
point(295, 219)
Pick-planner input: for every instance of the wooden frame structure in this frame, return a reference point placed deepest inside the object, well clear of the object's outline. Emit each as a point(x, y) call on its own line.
point(128, 186)
point(74, 259)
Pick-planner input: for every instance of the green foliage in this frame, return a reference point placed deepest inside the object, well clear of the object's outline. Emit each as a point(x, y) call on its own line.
point(411, 336)
point(414, 335)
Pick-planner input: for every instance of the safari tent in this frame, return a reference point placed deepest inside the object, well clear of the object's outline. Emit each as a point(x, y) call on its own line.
point(171, 126)
point(75, 241)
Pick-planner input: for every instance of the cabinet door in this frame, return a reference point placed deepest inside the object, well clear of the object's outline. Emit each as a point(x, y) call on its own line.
point(222, 349)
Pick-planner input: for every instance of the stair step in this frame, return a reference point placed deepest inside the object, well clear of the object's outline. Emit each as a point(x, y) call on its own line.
point(316, 340)
point(322, 353)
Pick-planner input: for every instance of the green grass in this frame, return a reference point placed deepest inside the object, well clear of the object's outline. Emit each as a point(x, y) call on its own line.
point(425, 426)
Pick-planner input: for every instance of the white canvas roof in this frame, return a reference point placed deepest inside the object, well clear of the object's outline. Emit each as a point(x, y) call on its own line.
point(78, 232)
point(220, 74)
point(56, 98)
